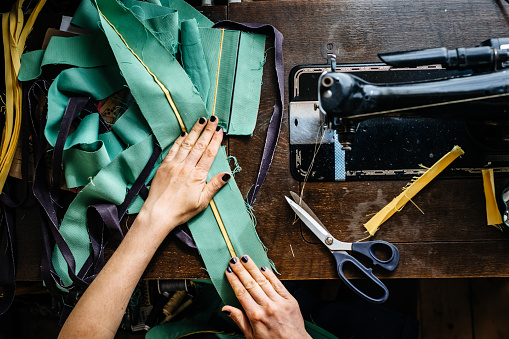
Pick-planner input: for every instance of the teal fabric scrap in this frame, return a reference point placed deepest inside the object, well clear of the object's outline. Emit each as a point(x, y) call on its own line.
point(193, 58)
point(73, 51)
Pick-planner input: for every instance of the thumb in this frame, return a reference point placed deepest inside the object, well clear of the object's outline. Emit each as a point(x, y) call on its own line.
point(214, 185)
point(240, 319)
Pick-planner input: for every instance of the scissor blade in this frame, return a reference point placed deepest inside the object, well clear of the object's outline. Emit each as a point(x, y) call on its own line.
point(305, 207)
point(320, 231)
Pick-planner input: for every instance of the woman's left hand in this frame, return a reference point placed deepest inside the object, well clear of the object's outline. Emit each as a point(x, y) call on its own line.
point(179, 189)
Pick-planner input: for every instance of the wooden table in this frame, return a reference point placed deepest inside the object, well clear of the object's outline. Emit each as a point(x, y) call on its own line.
point(450, 240)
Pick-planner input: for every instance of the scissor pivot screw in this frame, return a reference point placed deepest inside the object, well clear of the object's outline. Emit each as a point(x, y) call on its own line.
point(329, 240)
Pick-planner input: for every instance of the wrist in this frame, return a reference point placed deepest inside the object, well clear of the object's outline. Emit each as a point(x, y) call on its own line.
point(152, 226)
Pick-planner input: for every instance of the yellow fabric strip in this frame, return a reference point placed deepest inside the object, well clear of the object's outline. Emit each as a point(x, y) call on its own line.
point(14, 37)
point(218, 68)
point(409, 192)
point(492, 211)
point(213, 206)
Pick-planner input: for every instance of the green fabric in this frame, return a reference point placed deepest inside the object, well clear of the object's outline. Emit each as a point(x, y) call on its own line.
point(109, 163)
point(193, 58)
point(74, 51)
point(240, 75)
point(246, 94)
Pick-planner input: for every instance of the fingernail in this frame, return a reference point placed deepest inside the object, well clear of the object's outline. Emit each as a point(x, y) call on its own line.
point(202, 121)
point(218, 128)
point(229, 269)
point(213, 118)
point(263, 268)
point(233, 261)
point(244, 259)
point(182, 134)
point(225, 178)
point(227, 312)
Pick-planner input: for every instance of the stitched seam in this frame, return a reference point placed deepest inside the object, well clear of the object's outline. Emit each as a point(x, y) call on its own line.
point(218, 68)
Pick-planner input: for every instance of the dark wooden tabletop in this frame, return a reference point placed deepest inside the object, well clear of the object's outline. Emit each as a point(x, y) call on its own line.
point(450, 240)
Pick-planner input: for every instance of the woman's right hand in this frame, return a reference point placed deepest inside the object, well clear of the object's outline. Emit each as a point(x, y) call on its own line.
point(270, 310)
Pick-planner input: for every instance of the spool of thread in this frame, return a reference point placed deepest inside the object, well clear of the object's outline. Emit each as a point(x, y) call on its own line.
point(171, 286)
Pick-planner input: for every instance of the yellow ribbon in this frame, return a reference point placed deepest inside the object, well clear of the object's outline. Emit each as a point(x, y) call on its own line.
point(399, 202)
point(14, 37)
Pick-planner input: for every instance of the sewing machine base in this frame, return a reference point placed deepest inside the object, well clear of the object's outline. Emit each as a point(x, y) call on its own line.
point(386, 148)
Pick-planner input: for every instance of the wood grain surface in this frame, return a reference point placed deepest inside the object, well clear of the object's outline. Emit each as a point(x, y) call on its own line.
point(450, 239)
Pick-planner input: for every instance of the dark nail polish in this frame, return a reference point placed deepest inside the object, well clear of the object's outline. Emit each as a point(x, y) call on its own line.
point(213, 118)
point(225, 178)
point(227, 312)
point(244, 259)
point(182, 134)
point(229, 269)
point(218, 128)
point(263, 268)
point(233, 260)
point(202, 120)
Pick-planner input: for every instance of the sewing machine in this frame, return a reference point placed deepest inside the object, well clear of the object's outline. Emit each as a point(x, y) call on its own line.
point(381, 121)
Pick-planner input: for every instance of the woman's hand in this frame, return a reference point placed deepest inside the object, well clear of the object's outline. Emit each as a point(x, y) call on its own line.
point(270, 310)
point(179, 189)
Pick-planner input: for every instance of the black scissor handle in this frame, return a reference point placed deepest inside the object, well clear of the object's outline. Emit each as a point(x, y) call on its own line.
point(367, 248)
point(342, 258)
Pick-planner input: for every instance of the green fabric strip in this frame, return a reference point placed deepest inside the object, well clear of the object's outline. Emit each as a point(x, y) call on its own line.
point(131, 126)
point(108, 186)
point(155, 107)
point(240, 229)
point(74, 51)
point(248, 79)
point(81, 166)
point(86, 16)
point(193, 58)
point(240, 79)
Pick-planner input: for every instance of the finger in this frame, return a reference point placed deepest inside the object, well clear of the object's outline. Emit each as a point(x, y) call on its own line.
point(203, 141)
point(239, 318)
point(214, 185)
point(208, 156)
point(249, 283)
point(258, 276)
point(276, 283)
point(189, 141)
point(245, 299)
point(174, 148)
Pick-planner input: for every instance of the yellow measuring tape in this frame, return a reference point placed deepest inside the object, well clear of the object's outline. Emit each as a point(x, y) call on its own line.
point(14, 37)
point(167, 94)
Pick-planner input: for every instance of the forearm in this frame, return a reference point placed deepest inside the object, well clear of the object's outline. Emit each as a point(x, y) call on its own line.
point(101, 308)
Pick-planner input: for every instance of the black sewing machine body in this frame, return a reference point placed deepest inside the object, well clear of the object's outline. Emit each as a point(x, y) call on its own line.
point(381, 121)
point(480, 99)
point(392, 145)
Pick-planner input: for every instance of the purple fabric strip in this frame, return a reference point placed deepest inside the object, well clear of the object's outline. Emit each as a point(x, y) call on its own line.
point(277, 115)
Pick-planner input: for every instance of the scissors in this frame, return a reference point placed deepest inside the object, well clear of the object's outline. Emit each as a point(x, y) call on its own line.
point(339, 248)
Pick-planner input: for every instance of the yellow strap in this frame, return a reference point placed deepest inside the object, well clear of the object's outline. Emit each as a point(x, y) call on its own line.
point(14, 37)
point(397, 203)
point(217, 73)
point(492, 211)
